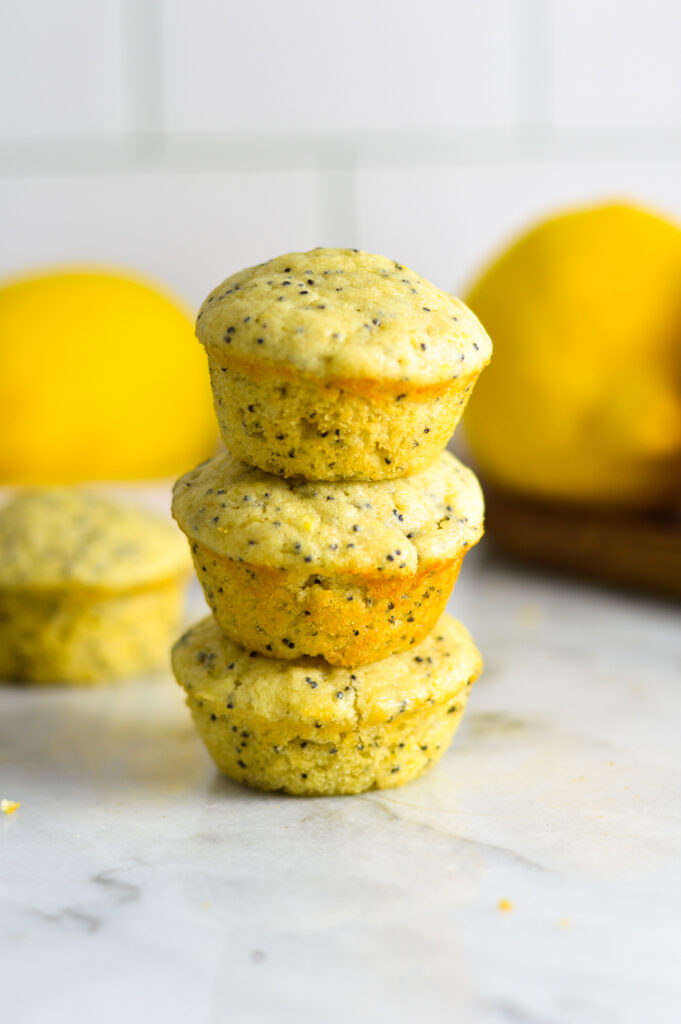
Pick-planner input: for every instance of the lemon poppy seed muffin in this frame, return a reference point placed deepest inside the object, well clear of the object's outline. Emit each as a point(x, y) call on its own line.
point(350, 571)
point(338, 364)
point(89, 588)
point(308, 728)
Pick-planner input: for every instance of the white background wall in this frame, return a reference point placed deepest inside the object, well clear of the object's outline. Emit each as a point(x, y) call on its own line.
point(187, 138)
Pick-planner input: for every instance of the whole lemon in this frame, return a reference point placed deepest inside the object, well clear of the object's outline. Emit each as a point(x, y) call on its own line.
point(582, 400)
point(100, 378)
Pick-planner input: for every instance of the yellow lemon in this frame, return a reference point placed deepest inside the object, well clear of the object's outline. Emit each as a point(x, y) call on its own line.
point(582, 400)
point(100, 378)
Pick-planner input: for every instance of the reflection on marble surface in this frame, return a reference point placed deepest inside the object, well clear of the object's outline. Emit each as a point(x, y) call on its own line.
point(138, 885)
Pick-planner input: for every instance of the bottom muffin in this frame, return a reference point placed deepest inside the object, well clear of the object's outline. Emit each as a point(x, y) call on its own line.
point(309, 728)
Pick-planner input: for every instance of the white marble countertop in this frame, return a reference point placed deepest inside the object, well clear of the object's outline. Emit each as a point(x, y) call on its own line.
point(137, 885)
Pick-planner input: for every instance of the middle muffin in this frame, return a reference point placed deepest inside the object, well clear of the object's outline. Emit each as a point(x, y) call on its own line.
point(349, 571)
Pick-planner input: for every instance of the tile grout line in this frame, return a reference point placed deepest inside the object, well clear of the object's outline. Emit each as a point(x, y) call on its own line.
point(337, 207)
point(534, 123)
point(215, 154)
point(143, 70)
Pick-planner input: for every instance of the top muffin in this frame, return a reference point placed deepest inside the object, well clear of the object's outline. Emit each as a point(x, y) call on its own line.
point(337, 364)
point(343, 313)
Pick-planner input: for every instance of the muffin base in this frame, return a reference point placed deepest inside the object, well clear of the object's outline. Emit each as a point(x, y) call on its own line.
point(307, 727)
point(348, 619)
point(79, 635)
point(292, 425)
point(329, 761)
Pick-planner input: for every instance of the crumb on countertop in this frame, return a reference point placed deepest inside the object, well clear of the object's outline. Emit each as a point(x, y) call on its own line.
point(9, 806)
point(505, 906)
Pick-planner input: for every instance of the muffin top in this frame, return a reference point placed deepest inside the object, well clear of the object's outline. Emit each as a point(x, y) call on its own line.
point(342, 313)
point(385, 526)
point(65, 537)
point(222, 675)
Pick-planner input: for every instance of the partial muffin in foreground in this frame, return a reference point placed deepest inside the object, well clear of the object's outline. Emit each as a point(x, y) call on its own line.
point(349, 571)
point(89, 588)
point(338, 364)
point(311, 729)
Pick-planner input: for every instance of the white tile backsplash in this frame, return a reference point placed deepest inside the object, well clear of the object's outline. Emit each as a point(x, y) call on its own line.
point(616, 63)
point(363, 65)
point(190, 137)
point(188, 230)
point(62, 68)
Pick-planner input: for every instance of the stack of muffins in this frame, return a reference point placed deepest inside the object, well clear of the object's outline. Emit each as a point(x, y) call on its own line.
point(329, 535)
